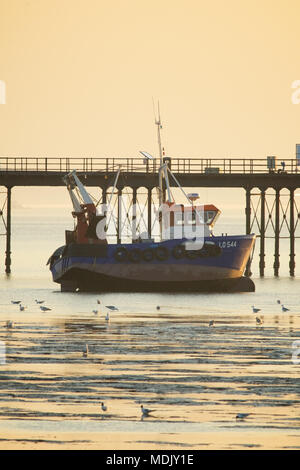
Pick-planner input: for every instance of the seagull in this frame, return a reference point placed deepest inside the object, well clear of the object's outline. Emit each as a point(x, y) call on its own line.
point(146, 411)
point(242, 415)
point(103, 407)
point(22, 308)
point(9, 324)
point(39, 301)
point(255, 310)
point(211, 323)
point(44, 309)
point(86, 352)
point(112, 307)
point(259, 321)
point(15, 301)
point(284, 309)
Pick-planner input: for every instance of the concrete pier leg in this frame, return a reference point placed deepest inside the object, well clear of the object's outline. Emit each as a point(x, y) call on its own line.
point(248, 272)
point(133, 221)
point(277, 233)
point(292, 234)
point(8, 232)
point(262, 234)
point(149, 212)
point(119, 219)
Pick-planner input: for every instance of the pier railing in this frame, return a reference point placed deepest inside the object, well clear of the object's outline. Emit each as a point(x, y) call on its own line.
point(178, 165)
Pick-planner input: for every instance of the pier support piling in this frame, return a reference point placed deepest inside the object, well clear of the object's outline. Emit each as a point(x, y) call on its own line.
point(119, 219)
point(8, 232)
point(292, 234)
point(149, 212)
point(248, 272)
point(277, 233)
point(133, 221)
point(262, 233)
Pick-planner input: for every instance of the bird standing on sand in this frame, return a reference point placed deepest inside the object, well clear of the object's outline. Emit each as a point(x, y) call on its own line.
point(255, 310)
point(211, 323)
point(107, 317)
point(15, 301)
point(44, 309)
point(259, 321)
point(242, 415)
point(39, 301)
point(278, 301)
point(9, 324)
point(146, 411)
point(112, 308)
point(86, 352)
point(103, 407)
point(284, 309)
point(22, 308)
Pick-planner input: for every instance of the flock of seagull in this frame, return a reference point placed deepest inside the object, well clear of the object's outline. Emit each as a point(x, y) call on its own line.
point(10, 323)
point(148, 412)
point(145, 411)
point(259, 320)
point(22, 307)
point(112, 308)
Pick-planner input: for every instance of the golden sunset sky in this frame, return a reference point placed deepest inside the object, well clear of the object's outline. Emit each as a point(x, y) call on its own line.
point(81, 74)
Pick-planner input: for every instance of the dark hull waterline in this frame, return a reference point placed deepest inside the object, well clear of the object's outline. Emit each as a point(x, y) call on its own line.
point(77, 279)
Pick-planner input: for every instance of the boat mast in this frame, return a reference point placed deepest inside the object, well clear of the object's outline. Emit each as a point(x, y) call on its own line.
point(159, 127)
point(160, 172)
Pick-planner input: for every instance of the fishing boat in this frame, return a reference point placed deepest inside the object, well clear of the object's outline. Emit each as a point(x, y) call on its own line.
point(187, 256)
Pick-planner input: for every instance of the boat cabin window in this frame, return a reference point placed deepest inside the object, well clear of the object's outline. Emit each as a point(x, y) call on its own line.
point(178, 218)
point(209, 216)
point(190, 218)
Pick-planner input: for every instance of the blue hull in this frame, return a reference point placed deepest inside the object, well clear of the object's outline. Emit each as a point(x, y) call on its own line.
point(166, 266)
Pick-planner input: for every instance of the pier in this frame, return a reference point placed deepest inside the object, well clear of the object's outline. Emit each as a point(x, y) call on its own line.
point(263, 180)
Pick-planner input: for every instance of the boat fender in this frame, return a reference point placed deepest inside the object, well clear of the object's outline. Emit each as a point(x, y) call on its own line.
point(148, 254)
point(178, 251)
point(191, 254)
point(203, 252)
point(161, 253)
point(213, 250)
point(134, 255)
point(209, 249)
point(121, 254)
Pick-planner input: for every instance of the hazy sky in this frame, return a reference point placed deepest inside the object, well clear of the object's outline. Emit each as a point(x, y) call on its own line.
point(80, 76)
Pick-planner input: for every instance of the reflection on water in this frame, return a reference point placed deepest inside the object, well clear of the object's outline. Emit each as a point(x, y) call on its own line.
point(196, 377)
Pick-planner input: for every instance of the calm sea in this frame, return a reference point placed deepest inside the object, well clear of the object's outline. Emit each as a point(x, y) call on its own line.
point(196, 377)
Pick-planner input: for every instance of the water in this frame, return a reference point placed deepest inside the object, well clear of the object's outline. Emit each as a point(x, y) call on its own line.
point(196, 377)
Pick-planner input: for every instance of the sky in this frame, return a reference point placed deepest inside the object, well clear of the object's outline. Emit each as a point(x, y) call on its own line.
point(81, 77)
